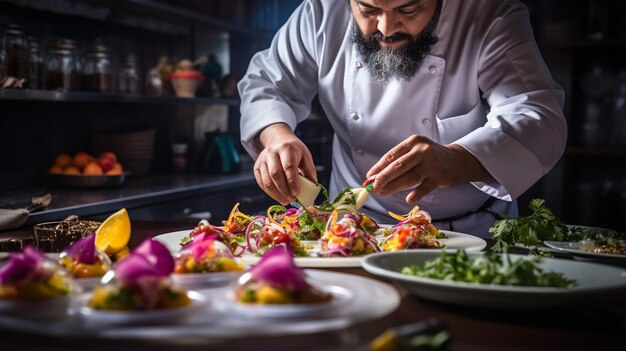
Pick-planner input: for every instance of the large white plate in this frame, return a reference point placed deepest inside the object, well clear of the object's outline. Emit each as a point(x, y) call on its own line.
point(591, 279)
point(370, 299)
point(455, 241)
point(573, 248)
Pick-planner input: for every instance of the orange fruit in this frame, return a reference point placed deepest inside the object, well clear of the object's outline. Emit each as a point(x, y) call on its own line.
point(56, 169)
point(63, 160)
point(116, 169)
point(81, 159)
point(71, 170)
point(92, 168)
point(113, 234)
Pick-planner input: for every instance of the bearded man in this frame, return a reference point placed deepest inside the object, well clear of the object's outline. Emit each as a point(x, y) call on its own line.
point(447, 104)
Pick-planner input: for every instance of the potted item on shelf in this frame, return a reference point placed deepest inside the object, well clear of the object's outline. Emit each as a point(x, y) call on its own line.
point(211, 71)
point(158, 78)
point(185, 79)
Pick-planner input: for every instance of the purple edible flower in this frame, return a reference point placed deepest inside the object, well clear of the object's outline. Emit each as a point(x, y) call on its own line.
point(278, 269)
point(150, 259)
point(22, 266)
point(200, 244)
point(83, 250)
point(157, 254)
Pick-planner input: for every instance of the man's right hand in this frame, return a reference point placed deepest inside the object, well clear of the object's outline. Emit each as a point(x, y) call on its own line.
point(282, 157)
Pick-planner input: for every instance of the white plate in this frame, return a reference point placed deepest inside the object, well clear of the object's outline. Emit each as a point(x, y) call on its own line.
point(87, 283)
point(169, 316)
point(573, 248)
point(44, 309)
point(455, 241)
point(591, 279)
point(341, 296)
point(204, 280)
point(371, 299)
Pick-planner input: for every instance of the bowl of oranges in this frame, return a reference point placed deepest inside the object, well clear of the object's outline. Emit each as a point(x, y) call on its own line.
point(83, 170)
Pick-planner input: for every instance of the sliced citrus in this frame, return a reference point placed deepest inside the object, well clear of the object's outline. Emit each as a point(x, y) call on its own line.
point(113, 234)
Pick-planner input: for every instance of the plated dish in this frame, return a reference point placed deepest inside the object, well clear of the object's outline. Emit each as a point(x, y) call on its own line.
point(454, 241)
point(590, 279)
point(575, 249)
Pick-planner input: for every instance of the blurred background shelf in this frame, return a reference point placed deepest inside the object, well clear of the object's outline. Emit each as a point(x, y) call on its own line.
point(59, 96)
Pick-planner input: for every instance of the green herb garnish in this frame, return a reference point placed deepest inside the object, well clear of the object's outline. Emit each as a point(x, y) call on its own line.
point(539, 226)
point(489, 269)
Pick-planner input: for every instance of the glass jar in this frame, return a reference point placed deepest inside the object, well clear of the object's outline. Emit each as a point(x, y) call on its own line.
point(62, 66)
point(16, 52)
point(35, 64)
point(129, 75)
point(97, 71)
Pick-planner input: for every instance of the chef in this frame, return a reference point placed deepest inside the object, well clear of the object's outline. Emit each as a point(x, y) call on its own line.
point(445, 104)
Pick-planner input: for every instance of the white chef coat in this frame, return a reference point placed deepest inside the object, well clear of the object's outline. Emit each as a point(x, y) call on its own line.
point(484, 86)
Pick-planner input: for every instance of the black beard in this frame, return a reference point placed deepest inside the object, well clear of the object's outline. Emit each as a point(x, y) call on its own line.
point(401, 63)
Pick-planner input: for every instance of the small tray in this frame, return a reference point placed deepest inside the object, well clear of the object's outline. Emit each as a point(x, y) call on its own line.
point(88, 181)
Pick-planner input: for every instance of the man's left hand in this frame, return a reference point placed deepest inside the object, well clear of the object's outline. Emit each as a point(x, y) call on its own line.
point(422, 164)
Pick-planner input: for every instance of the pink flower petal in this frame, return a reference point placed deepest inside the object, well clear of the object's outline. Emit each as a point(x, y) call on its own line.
point(129, 270)
point(83, 250)
point(157, 254)
point(278, 269)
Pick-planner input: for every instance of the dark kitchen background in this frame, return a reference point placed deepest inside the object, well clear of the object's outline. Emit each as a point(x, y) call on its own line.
point(94, 80)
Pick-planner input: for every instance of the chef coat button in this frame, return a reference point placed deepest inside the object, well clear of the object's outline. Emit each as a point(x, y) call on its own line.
point(355, 116)
point(359, 65)
point(359, 151)
point(432, 69)
point(426, 122)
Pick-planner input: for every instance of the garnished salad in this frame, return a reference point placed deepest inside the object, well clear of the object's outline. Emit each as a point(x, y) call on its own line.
point(263, 233)
point(307, 223)
point(352, 235)
point(140, 282)
point(489, 269)
point(205, 255)
point(83, 260)
point(230, 233)
point(413, 231)
point(29, 275)
point(277, 280)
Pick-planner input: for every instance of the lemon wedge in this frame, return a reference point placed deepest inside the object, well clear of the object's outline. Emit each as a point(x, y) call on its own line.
point(113, 234)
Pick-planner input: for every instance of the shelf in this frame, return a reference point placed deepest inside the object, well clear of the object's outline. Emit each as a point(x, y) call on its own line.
point(595, 151)
point(146, 14)
point(59, 96)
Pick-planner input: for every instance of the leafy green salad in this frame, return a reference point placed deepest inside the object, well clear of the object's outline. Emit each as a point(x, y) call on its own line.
point(489, 269)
